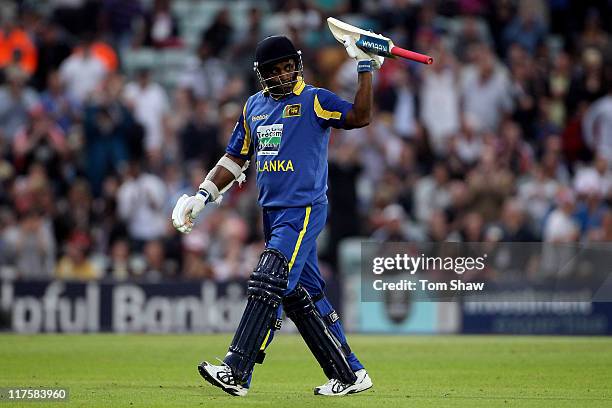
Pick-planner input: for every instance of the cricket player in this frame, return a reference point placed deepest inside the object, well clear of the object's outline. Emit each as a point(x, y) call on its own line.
point(285, 129)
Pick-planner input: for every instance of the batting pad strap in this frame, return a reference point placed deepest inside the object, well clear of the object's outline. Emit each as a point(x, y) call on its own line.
point(211, 188)
point(261, 355)
point(331, 318)
point(346, 349)
point(317, 297)
point(259, 359)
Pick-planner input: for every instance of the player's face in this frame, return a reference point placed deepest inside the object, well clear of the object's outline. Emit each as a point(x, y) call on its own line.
point(281, 76)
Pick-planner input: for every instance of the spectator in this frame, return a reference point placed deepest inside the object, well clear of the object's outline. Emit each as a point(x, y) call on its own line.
point(597, 126)
point(438, 228)
point(431, 193)
point(75, 265)
point(525, 88)
point(109, 130)
point(467, 145)
point(118, 19)
point(52, 50)
point(405, 105)
point(150, 105)
point(514, 224)
point(560, 225)
point(205, 75)
point(16, 101)
point(527, 29)
point(590, 208)
point(593, 34)
point(489, 184)
point(119, 267)
point(199, 138)
point(515, 153)
point(101, 51)
point(226, 256)
point(558, 86)
point(183, 103)
point(471, 32)
point(160, 28)
point(344, 170)
point(16, 47)
point(485, 91)
point(82, 72)
point(604, 233)
point(439, 107)
point(41, 141)
point(157, 266)
point(32, 246)
point(75, 212)
point(140, 201)
point(537, 192)
point(588, 84)
point(76, 16)
point(473, 227)
point(57, 103)
point(220, 33)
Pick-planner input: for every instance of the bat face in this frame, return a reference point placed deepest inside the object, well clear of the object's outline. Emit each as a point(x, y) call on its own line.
point(373, 43)
point(366, 40)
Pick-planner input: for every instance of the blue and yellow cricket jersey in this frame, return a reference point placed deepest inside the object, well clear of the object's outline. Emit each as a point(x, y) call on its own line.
point(289, 138)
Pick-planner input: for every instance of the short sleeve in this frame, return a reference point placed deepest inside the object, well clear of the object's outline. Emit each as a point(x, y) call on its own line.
point(330, 109)
point(240, 144)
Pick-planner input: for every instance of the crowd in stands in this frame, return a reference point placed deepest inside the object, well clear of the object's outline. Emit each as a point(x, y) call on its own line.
point(506, 137)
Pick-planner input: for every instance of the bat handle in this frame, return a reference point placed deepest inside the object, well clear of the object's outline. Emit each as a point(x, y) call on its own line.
point(411, 55)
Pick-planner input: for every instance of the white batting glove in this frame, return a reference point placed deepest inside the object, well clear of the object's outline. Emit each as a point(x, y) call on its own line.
point(187, 209)
point(361, 56)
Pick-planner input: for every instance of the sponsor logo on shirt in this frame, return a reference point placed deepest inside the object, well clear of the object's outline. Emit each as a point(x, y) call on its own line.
point(269, 139)
point(292, 110)
point(263, 116)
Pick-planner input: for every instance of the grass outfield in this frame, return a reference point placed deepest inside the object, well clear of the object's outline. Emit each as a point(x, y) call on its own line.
point(410, 371)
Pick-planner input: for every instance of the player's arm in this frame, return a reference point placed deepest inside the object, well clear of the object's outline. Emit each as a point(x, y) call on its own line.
point(220, 179)
point(361, 112)
point(222, 176)
point(333, 111)
point(229, 168)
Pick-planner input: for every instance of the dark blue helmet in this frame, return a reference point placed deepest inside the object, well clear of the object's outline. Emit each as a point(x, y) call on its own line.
point(270, 51)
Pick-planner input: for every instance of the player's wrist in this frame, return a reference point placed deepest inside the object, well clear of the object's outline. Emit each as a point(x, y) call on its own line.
point(365, 66)
point(203, 196)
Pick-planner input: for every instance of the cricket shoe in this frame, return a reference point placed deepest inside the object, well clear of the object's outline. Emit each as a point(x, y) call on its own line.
point(221, 376)
point(335, 387)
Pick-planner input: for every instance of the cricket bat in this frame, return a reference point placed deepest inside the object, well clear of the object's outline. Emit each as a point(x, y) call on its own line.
point(373, 43)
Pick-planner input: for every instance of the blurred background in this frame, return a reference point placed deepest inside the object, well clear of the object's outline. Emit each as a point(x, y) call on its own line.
point(112, 109)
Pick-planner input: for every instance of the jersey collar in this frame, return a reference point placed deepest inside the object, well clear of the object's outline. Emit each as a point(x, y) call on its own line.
point(299, 86)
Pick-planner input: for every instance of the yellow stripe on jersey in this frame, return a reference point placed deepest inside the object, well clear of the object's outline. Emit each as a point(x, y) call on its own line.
point(325, 114)
point(299, 240)
point(247, 133)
